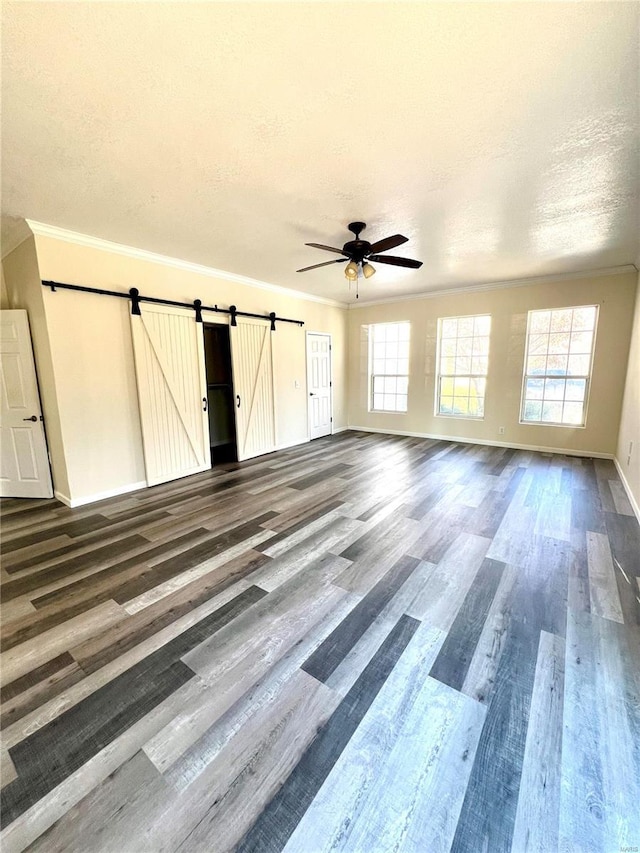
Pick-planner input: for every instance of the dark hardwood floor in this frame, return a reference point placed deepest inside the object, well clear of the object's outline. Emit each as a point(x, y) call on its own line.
point(368, 643)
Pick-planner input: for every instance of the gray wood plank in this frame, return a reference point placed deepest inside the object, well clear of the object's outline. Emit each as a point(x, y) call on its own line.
point(481, 673)
point(624, 539)
point(620, 499)
point(448, 584)
point(44, 813)
point(453, 661)
point(488, 813)
point(240, 668)
point(603, 588)
point(39, 650)
point(538, 813)
point(601, 738)
point(402, 777)
point(337, 645)
point(270, 688)
point(280, 817)
point(230, 737)
point(267, 750)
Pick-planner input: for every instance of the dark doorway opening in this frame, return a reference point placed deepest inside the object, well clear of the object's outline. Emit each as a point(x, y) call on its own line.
point(222, 419)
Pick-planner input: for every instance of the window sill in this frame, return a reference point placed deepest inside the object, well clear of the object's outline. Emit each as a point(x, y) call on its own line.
point(385, 412)
point(552, 424)
point(459, 417)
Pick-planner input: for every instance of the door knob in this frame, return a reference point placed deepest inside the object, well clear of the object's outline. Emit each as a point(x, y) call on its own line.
point(238, 399)
point(312, 393)
point(32, 418)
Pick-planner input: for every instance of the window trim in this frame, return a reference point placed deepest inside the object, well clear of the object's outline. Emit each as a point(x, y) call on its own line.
point(587, 377)
point(440, 376)
point(372, 375)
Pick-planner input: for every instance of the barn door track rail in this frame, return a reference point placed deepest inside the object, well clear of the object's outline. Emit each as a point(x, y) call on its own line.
point(196, 305)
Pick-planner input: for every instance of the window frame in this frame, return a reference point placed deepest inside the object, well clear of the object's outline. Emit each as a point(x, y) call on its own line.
point(586, 377)
point(372, 375)
point(440, 376)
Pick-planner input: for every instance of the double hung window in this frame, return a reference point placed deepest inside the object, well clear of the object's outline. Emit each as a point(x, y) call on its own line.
point(463, 362)
point(389, 366)
point(558, 364)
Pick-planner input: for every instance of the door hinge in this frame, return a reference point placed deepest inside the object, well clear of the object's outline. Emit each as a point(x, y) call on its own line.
point(330, 384)
point(331, 420)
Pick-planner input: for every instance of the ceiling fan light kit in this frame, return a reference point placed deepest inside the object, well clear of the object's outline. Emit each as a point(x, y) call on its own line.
point(368, 270)
point(359, 252)
point(351, 271)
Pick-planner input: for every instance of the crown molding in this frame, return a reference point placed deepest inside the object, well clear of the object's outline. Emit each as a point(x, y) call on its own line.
point(16, 237)
point(500, 285)
point(41, 229)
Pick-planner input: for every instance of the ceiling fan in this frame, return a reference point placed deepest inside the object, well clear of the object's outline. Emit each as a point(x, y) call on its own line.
point(359, 253)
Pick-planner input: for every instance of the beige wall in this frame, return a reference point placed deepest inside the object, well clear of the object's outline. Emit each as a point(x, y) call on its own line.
point(629, 463)
point(24, 290)
point(93, 361)
point(508, 308)
point(84, 359)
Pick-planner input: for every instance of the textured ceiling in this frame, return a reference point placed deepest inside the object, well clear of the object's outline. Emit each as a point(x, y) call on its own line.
point(502, 139)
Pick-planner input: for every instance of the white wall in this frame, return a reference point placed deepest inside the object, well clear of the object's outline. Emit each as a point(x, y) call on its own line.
point(508, 308)
point(629, 463)
point(93, 362)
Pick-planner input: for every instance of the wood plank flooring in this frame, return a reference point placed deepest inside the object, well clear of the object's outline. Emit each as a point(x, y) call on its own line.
point(367, 643)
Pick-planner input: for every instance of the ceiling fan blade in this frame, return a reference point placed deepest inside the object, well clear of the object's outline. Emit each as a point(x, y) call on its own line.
point(395, 262)
point(326, 248)
point(325, 264)
point(388, 243)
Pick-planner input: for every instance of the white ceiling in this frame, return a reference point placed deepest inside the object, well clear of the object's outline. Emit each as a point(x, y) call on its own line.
point(502, 139)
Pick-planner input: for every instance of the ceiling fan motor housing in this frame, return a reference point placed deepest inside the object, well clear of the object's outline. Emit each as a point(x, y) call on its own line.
point(357, 249)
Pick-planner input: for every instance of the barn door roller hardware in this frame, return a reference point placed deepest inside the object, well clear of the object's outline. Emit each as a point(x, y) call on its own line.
point(196, 305)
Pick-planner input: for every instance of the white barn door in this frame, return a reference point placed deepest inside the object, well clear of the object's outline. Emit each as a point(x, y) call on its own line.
point(24, 461)
point(172, 392)
point(253, 387)
point(319, 384)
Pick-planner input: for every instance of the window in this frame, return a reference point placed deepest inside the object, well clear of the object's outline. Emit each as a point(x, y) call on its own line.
point(463, 360)
point(558, 365)
point(389, 366)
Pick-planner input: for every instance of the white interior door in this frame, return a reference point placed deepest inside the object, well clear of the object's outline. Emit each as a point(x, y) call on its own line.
point(253, 387)
point(172, 392)
point(24, 461)
point(319, 384)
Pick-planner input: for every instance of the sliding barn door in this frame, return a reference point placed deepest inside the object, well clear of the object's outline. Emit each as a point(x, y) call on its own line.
point(253, 387)
point(172, 391)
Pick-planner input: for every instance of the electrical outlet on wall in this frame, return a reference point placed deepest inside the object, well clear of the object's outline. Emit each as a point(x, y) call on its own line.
point(629, 454)
point(500, 430)
point(296, 383)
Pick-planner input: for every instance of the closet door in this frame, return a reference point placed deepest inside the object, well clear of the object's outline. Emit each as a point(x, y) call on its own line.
point(253, 387)
point(172, 392)
point(24, 461)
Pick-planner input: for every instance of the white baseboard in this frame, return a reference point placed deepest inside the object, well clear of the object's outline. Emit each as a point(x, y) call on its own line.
point(627, 488)
point(99, 496)
point(340, 429)
point(594, 454)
